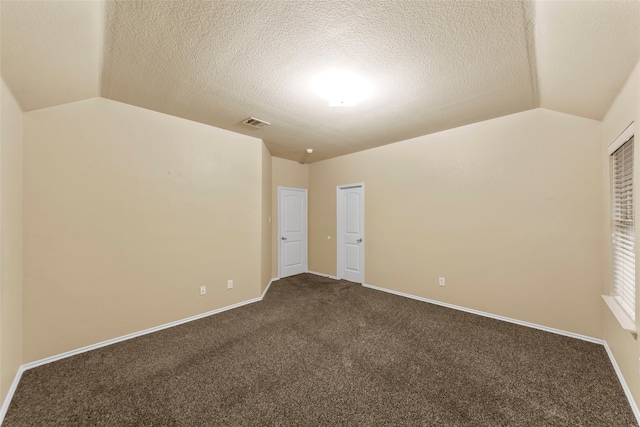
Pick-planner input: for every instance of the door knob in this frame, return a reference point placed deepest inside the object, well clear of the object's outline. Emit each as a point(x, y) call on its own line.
point(284, 238)
point(359, 241)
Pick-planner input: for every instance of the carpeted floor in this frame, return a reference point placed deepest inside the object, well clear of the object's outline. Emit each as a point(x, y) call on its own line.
point(317, 351)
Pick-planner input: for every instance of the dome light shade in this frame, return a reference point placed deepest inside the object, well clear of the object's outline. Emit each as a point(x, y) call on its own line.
point(341, 88)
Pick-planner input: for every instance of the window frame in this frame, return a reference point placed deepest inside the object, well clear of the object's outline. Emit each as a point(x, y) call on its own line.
point(625, 317)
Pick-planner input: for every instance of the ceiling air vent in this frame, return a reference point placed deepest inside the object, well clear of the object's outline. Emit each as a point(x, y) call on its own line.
point(255, 123)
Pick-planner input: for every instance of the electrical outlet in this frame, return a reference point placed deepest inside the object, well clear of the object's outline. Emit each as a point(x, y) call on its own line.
point(229, 284)
point(441, 281)
point(203, 290)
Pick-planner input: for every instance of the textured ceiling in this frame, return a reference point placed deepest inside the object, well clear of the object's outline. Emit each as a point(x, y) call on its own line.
point(434, 65)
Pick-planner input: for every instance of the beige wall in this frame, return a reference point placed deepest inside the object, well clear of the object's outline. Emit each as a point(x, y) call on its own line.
point(507, 210)
point(625, 348)
point(284, 173)
point(127, 212)
point(265, 267)
point(11, 280)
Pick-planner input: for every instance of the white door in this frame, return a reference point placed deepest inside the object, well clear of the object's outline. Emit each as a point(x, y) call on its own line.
point(351, 232)
point(292, 227)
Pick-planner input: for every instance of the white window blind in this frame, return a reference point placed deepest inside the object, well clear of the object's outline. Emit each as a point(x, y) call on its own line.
point(624, 235)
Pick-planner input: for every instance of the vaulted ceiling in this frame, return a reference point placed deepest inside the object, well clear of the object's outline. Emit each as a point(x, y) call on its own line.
point(434, 65)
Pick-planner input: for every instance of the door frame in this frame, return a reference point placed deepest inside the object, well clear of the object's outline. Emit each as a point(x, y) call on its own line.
point(340, 228)
point(305, 227)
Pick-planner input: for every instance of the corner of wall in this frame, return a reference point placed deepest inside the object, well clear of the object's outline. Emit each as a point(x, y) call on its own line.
point(284, 173)
point(11, 266)
point(624, 347)
point(266, 219)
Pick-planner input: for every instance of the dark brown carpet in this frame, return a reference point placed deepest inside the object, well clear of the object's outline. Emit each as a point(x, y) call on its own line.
point(317, 351)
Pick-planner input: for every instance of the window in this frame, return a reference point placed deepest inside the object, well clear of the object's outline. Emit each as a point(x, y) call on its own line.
point(624, 235)
point(623, 291)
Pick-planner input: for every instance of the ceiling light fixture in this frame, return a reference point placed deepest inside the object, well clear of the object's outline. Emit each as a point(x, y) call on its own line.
point(309, 150)
point(341, 88)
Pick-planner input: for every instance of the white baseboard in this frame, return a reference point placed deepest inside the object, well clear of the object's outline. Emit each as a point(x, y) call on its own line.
point(623, 383)
point(274, 279)
point(135, 334)
point(10, 393)
point(484, 314)
point(26, 366)
point(322, 275)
